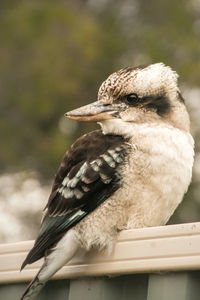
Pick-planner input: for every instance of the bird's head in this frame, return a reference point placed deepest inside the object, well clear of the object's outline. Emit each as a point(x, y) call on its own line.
point(144, 94)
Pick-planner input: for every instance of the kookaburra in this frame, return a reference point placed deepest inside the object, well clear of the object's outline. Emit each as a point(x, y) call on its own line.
point(131, 173)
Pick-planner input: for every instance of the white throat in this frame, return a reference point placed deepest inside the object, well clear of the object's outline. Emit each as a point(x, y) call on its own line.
point(118, 127)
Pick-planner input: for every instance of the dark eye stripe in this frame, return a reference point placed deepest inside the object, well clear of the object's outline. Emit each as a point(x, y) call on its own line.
point(161, 104)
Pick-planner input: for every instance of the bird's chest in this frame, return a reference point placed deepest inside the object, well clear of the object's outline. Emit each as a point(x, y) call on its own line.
point(156, 175)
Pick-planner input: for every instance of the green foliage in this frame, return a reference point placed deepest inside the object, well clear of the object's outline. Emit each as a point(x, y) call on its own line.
point(168, 34)
point(53, 57)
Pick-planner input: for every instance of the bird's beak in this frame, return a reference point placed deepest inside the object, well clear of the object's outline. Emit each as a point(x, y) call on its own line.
point(94, 112)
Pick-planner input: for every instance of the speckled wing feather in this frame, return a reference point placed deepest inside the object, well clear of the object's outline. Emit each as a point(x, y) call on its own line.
point(87, 176)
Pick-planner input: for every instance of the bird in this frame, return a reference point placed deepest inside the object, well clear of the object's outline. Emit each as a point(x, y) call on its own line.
point(132, 173)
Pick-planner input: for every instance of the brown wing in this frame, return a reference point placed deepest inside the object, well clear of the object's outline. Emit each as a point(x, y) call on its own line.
point(86, 177)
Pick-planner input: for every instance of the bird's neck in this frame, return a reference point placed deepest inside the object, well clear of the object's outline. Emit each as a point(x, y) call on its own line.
point(117, 127)
point(123, 128)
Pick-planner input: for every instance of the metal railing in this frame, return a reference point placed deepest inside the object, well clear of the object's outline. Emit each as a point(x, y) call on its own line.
point(147, 250)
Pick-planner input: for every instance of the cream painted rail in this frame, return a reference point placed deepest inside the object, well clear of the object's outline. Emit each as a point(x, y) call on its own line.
point(172, 247)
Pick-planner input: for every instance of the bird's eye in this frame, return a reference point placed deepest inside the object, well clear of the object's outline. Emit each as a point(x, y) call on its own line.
point(132, 99)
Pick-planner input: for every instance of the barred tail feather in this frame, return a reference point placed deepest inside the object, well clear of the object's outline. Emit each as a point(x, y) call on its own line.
point(59, 255)
point(33, 288)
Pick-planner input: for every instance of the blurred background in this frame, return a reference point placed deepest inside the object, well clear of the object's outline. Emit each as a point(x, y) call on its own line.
point(53, 57)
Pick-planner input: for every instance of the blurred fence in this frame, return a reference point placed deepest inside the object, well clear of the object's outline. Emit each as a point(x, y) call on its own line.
point(167, 258)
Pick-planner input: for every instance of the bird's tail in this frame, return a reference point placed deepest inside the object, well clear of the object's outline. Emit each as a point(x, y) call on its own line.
point(34, 287)
point(59, 255)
